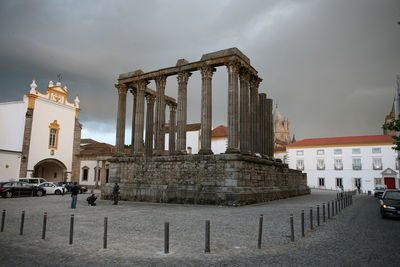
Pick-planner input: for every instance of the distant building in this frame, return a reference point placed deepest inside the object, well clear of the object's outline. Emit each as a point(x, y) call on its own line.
point(40, 135)
point(346, 161)
point(390, 117)
point(282, 135)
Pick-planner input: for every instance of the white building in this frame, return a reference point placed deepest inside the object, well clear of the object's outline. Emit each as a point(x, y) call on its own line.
point(346, 161)
point(40, 135)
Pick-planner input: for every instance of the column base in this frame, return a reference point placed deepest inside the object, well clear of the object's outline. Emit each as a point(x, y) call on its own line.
point(245, 152)
point(205, 152)
point(183, 152)
point(231, 150)
point(138, 154)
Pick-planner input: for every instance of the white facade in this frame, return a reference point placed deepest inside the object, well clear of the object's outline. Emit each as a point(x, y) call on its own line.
point(329, 166)
point(219, 144)
point(90, 177)
point(50, 119)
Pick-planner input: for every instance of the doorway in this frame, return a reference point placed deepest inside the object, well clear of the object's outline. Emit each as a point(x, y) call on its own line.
point(390, 182)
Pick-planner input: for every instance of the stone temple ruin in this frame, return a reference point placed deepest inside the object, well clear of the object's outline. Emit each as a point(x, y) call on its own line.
point(247, 173)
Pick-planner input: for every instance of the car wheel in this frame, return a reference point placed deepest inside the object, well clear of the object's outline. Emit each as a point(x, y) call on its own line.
point(39, 193)
point(58, 192)
point(8, 194)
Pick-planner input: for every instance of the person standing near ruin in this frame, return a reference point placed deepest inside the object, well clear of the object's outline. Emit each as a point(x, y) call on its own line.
point(74, 195)
point(116, 193)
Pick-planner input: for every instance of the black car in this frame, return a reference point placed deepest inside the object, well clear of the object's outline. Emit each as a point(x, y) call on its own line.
point(390, 203)
point(68, 186)
point(10, 189)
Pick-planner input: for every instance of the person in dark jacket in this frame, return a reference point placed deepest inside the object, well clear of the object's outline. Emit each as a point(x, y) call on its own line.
point(91, 200)
point(74, 195)
point(116, 193)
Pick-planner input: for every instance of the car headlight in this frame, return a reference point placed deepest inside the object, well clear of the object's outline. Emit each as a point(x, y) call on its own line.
point(388, 207)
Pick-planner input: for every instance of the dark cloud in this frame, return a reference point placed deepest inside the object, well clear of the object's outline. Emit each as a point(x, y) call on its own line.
point(330, 65)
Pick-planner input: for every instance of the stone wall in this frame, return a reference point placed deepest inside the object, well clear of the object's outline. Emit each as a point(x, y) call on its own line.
point(225, 179)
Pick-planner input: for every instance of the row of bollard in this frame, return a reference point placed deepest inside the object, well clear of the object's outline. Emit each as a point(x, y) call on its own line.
point(331, 208)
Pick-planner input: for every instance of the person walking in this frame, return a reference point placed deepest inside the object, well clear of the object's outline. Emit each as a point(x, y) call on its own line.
point(116, 193)
point(74, 195)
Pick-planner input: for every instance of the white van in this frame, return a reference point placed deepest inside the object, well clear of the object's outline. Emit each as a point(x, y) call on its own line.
point(32, 181)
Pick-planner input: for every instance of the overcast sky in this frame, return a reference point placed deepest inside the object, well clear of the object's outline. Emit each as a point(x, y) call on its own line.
point(330, 65)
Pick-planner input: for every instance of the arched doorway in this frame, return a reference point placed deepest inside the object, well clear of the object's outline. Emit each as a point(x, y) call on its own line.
point(52, 170)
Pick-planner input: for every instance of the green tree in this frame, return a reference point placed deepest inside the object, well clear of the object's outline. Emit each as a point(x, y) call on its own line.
point(394, 126)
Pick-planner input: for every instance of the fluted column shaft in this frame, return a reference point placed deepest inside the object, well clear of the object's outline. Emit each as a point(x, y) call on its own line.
point(172, 128)
point(269, 128)
point(183, 78)
point(121, 116)
point(206, 109)
point(233, 137)
point(261, 124)
point(254, 84)
point(160, 114)
point(149, 125)
point(244, 77)
point(133, 120)
point(139, 120)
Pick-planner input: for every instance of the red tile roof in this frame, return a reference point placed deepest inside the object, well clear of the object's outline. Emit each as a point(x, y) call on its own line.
point(220, 131)
point(347, 140)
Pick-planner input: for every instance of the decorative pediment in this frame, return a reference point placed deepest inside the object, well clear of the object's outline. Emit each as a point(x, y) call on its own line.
point(389, 172)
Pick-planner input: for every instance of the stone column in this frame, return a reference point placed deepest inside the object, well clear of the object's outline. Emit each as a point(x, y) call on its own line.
point(133, 119)
point(103, 173)
point(244, 123)
point(254, 84)
point(206, 109)
point(261, 124)
point(120, 135)
point(139, 120)
point(183, 78)
point(160, 114)
point(270, 128)
point(233, 137)
point(150, 125)
point(26, 143)
point(172, 130)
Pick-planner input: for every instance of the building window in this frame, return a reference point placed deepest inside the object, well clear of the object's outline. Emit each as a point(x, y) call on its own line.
point(356, 164)
point(356, 151)
point(377, 164)
point(300, 164)
point(337, 151)
point(300, 152)
point(85, 174)
point(321, 182)
point(376, 150)
point(357, 182)
point(320, 152)
point(339, 182)
point(338, 164)
point(320, 164)
point(397, 163)
point(378, 181)
point(54, 132)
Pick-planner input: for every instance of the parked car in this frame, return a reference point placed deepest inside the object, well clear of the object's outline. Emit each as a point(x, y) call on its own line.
point(379, 190)
point(34, 181)
point(390, 203)
point(10, 189)
point(52, 188)
point(69, 185)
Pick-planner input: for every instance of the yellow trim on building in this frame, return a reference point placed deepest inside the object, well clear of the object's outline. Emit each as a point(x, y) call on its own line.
point(31, 101)
point(77, 110)
point(54, 125)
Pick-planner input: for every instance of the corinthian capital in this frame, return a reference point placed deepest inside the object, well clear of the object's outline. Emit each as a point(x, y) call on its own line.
point(233, 66)
point(150, 99)
point(255, 81)
point(161, 81)
point(244, 75)
point(183, 76)
point(207, 71)
point(141, 85)
point(122, 88)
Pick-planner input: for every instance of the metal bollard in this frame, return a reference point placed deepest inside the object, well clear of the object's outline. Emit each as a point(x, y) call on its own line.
point(71, 230)
point(323, 212)
point(291, 228)
point(166, 237)
point(336, 209)
point(105, 232)
point(311, 219)
point(333, 208)
point(260, 227)
point(44, 225)
point(329, 210)
point(207, 241)
point(318, 215)
point(302, 223)
point(3, 218)
point(21, 229)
